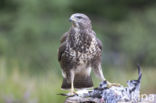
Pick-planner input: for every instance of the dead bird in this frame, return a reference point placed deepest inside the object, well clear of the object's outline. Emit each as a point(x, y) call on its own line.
point(116, 94)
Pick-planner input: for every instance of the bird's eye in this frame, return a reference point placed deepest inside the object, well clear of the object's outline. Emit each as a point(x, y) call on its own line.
point(79, 17)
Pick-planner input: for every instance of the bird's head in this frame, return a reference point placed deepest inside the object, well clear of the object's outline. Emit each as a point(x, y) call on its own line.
point(80, 20)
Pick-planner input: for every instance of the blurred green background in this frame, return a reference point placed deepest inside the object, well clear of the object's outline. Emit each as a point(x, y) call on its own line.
point(30, 31)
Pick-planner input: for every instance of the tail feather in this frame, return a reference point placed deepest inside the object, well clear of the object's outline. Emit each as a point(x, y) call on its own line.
point(80, 81)
point(139, 73)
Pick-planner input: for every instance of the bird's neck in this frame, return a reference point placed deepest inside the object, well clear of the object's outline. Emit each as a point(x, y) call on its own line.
point(78, 37)
point(78, 34)
point(76, 29)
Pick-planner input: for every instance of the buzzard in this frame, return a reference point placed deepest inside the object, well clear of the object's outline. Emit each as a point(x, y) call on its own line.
point(79, 52)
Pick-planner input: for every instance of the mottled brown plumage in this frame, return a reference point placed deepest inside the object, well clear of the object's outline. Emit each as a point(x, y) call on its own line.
point(80, 50)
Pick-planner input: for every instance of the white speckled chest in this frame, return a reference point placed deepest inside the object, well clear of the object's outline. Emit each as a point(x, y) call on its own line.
point(83, 57)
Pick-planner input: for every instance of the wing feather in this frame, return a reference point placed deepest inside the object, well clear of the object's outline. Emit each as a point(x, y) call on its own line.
point(62, 46)
point(64, 37)
point(99, 43)
point(61, 50)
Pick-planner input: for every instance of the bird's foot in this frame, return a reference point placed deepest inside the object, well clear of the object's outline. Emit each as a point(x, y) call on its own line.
point(68, 94)
point(72, 93)
point(109, 85)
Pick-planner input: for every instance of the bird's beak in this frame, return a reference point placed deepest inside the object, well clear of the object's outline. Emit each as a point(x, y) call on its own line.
point(72, 18)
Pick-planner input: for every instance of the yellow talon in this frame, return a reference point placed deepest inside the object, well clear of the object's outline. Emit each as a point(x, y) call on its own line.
point(112, 84)
point(72, 91)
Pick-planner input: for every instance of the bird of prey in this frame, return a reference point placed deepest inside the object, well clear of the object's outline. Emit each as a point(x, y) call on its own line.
point(79, 52)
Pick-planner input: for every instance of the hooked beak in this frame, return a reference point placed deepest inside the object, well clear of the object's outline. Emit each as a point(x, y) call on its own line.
point(72, 19)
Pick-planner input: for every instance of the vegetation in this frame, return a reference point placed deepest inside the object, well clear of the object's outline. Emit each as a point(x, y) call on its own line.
point(29, 38)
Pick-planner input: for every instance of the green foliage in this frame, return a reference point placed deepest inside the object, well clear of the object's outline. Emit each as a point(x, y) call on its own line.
point(131, 40)
point(33, 30)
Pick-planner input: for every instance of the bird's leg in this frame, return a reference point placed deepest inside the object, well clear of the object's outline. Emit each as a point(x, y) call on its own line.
point(72, 88)
point(99, 73)
point(72, 83)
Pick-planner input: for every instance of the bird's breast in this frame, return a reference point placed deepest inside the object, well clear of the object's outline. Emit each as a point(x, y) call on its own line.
point(82, 53)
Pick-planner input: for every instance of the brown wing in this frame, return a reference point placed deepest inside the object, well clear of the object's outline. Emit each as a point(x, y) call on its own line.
point(61, 50)
point(99, 43)
point(63, 38)
point(62, 46)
